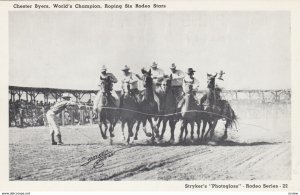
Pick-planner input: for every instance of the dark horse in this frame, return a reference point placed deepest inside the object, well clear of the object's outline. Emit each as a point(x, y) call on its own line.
point(167, 106)
point(217, 109)
point(191, 113)
point(127, 112)
point(147, 105)
point(105, 108)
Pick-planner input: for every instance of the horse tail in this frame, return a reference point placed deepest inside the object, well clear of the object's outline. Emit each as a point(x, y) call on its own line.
point(231, 116)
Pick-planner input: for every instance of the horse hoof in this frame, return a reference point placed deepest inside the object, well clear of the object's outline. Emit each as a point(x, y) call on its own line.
point(112, 135)
point(149, 134)
point(135, 138)
point(160, 138)
point(104, 137)
point(171, 141)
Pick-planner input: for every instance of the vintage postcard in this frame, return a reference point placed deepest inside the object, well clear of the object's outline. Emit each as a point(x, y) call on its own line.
point(149, 95)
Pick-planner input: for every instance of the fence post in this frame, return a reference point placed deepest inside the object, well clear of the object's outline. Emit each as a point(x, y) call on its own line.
point(72, 117)
point(62, 118)
point(91, 117)
point(44, 117)
point(81, 115)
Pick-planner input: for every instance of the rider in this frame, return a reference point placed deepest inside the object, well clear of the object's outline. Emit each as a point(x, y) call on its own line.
point(189, 81)
point(103, 75)
point(52, 119)
point(177, 80)
point(157, 74)
point(132, 80)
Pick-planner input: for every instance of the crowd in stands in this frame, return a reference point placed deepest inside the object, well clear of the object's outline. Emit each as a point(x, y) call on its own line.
point(23, 113)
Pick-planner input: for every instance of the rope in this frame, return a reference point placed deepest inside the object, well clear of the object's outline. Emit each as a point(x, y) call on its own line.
point(162, 115)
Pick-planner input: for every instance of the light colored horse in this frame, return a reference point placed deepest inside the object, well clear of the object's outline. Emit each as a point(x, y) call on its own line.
point(167, 106)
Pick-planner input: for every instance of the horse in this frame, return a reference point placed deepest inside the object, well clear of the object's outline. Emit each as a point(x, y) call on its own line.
point(127, 115)
point(148, 106)
point(167, 106)
point(104, 108)
point(190, 113)
point(217, 109)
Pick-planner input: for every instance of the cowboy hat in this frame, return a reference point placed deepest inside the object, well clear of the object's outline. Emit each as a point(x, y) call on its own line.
point(154, 65)
point(126, 68)
point(65, 95)
point(173, 66)
point(103, 68)
point(190, 70)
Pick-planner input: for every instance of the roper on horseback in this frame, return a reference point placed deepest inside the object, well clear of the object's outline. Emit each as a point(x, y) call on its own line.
point(216, 107)
point(177, 80)
point(190, 85)
point(103, 76)
point(105, 103)
point(157, 74)
point(131, 80)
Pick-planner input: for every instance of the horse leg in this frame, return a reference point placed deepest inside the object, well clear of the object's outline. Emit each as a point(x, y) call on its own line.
point(106, 127)
point(186, 132)
point(111, 129)
point(225, 131)
point(153, 129)
point(183, 125)
point(198, 129)
point(209, 128)
point(212, 132)
point(129, 126)
point(165, 120)
point(192, 130)
point(157, 126)
point(123, 126)
point(203, 130)
point(172, 124)
point(101, 131)
point(137, 128)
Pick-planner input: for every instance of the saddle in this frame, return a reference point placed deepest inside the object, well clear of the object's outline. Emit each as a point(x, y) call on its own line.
point(182, 100)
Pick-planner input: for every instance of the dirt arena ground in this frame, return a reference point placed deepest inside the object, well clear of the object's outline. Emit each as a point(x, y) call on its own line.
point(259, 149)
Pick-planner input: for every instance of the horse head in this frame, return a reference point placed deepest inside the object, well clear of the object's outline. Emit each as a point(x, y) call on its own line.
point(148, 81)
point(107, 84)
point(166, 83)
point(211, 81)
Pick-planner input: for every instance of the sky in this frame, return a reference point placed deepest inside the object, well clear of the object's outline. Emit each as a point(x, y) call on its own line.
point(66, 49)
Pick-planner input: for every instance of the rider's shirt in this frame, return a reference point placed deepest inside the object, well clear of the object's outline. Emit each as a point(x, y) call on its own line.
point(131, 79)
point(102, 76)
point(60, 106)
point(177, 78)
point(157, 75)
point(187, 81)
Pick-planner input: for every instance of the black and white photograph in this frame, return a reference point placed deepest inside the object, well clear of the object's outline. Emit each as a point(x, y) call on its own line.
point(149, 95)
